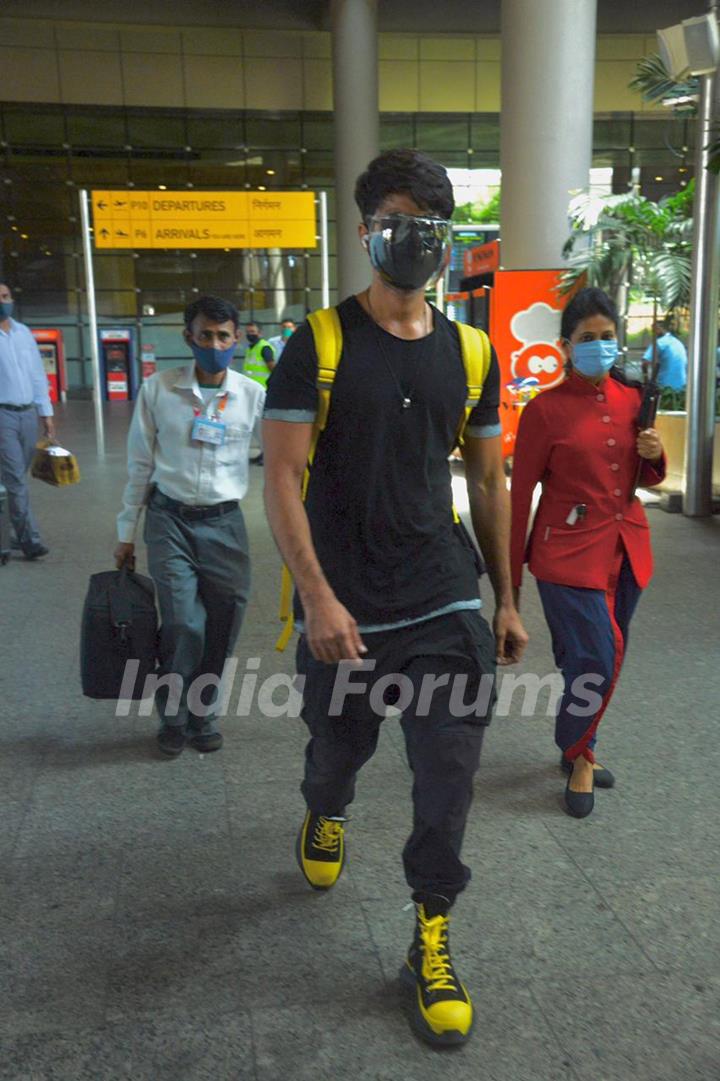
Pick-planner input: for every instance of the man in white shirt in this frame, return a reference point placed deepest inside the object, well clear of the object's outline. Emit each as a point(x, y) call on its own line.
point(188, 464)
point(23, 395)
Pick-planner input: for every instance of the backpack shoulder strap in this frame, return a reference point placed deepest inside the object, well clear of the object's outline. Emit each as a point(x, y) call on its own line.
point(476, 354)
point(327, 335)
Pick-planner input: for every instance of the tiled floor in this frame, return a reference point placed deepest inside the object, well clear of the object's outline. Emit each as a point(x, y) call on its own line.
point(155, 926)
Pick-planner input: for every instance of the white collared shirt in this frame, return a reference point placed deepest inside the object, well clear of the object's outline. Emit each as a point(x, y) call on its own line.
point(161, 452)
point(22, 374)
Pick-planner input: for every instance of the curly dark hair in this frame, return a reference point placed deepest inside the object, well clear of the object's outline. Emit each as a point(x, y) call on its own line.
point(215, 309)
point(587, 302)
point(405, 172)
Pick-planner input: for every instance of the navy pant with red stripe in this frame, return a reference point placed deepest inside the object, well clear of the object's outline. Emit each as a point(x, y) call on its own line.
point(589, 629)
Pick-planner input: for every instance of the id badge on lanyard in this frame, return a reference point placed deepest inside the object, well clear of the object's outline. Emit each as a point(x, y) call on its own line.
point(207, 429)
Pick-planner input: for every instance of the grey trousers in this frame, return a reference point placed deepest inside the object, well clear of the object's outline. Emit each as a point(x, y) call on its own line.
point(18, 436)
point(201, 570)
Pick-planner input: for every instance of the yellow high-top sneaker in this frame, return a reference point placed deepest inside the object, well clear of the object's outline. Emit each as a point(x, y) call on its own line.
point(443, 1011)
point(320, 849)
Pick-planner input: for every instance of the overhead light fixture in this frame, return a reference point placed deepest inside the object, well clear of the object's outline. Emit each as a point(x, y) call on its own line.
point(658, 178)
point(270, 172)
point(162, 187)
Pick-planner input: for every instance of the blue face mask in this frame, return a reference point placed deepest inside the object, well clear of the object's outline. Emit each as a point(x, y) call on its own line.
point(6, 309)
point(593, 359)
point(212, 361)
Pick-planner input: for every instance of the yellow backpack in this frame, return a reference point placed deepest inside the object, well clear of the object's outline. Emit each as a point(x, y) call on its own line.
point(327, 335)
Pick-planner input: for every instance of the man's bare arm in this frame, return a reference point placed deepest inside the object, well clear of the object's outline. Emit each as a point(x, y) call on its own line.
point(330, 629)
point(490, 512)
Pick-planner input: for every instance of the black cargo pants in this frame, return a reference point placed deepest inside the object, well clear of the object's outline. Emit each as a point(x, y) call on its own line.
point(443, 727)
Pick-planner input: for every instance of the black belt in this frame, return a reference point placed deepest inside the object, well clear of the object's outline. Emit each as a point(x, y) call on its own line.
point(16, 408)
point(185, 510)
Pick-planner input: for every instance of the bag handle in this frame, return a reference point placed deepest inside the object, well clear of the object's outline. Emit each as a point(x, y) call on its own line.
point(120, 605)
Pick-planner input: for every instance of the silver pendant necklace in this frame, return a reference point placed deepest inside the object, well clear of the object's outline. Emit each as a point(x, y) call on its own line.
point(405, 398)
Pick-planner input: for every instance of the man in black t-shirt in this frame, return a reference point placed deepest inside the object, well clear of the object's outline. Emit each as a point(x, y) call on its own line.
point(387, 598)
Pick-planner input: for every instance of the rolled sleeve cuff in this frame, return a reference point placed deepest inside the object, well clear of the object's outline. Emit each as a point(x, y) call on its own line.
point(294, 416)
point(45, 409)
point(653, 473)
point(127, 522)
point(483, 431)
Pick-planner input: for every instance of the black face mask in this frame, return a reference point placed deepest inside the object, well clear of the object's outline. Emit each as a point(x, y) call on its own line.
point(252, 338)
point(406, 251)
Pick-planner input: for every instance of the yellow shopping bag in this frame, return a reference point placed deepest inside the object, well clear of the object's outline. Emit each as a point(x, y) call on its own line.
point(54, 465)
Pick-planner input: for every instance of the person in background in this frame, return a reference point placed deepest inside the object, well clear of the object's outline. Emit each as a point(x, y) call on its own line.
point(23, 397)
point(287, 329)
point(672, 356)
point(589, 548)
point(187, 464)
point(259, 361)
point(259, 358)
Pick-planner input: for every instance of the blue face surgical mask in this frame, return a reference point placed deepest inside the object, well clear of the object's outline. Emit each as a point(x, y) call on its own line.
point(6, 309)
point(594, 358)
point(212, 361)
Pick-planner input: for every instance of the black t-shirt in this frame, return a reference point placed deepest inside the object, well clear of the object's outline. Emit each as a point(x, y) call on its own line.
point(379, 500)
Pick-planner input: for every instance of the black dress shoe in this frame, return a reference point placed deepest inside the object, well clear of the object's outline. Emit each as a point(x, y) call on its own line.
point(258, 460)
point(171, 740)
point(578, 804)
point(603, 777)
point(36, 551)
point(205, 741)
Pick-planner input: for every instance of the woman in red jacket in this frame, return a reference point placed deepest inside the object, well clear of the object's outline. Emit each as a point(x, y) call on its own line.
point(589, 548)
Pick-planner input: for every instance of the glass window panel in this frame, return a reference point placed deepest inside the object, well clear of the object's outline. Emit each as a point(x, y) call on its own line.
point(99, 173)
point(396, 132)
point(40, 272)
point(167, 321)
point(485, 132)
point(317, 132)
point(447, 133)
point(485, 159)
point(159, 270)
point(455, 159)
point(216, 175)
point(658, 157)
point(114, 270)
point(157, 129)
point(27, 168)
point(43, 305)
point(271, 132)
point(319, 168)
point(226, 130)
point(115, 304)
point(218, 272)
point(656, 133)
point(150, 173)
point(612, 132)
point(24, 126)
point(96, 129)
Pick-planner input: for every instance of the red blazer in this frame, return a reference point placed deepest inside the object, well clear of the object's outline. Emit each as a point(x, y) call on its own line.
point(578, 440)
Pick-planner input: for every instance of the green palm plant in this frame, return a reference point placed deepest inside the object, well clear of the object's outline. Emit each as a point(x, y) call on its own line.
point(653, 80)
point(619, 242)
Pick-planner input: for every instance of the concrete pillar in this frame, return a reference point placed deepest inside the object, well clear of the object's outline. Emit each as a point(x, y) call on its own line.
point(355, 97)
point(703, 342)
point(548, 71)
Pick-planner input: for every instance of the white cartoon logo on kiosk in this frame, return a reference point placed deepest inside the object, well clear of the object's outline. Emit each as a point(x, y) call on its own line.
point(538, 363)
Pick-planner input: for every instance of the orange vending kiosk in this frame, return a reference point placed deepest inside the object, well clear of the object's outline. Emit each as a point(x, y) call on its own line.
point(521, 311)
point(117, 362)
point(50, 344)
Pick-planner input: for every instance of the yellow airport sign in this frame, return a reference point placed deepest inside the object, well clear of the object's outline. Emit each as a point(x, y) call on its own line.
point(204, 219)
